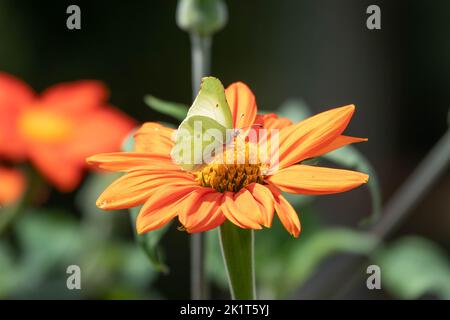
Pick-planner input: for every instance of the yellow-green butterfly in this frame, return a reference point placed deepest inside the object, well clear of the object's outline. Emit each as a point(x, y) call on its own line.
point(207, 125)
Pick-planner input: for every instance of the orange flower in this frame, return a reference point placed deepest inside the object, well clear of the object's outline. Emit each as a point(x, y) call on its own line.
point(203, 200)
point(12, 185)
point(60, 128)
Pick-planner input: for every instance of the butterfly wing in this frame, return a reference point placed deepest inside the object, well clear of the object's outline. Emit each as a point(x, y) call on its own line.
point(209, 110)
point(211, 102)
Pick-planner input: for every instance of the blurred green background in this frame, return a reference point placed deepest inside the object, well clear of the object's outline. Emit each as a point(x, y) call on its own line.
point(293, 54)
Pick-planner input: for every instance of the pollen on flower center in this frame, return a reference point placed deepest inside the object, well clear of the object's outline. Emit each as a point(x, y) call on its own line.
point(44, 126)
point(232, 170)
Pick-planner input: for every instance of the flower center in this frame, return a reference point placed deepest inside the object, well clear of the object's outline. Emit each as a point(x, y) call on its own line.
point(44, 126)
point(232, 170)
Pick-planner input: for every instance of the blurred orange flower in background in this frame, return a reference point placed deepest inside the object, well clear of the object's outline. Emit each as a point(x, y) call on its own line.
point(58, 129)
point(12, 185)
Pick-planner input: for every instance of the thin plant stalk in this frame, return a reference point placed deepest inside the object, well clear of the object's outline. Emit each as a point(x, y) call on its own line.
point(237, 244)
point(415, 188)
point(201, 64)
point(201, 60)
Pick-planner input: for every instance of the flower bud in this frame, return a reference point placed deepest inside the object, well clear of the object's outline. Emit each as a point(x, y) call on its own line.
point(202, 17)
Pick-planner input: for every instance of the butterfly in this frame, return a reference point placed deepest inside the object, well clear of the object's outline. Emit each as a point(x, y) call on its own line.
point(207, 127)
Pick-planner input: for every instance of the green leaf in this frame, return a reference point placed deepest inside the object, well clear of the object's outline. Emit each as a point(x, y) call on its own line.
point(56, 229)
point(294, 109)
point(173, 109)
point(46, 239)
point(149, 242)
point(298, 200)
point(86, 198)
point(8, 278)
point(128, 142)
point(302, 262)
point(413, 267)
point(134, 269)
point(238, 254)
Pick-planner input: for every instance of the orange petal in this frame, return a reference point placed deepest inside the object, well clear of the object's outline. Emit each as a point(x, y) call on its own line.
point(154, 138)
point(14, 93)
point(247, 204)
point(233, 212)
point(15, 96)
point(204, 211)
point(286, 213)
point(265, 199)
point(130, 161)
point(242, 104)
point(164, 204)
point(217, 218)
point(311, 180)
point(300, 141)
point(56, 167)
point(102, 130)
point(165, 194)
point(76, 97)
point(337, 143)
point(134, 188)
point(12, 186)
point(272, 121)
point(193, 197)
point(158, 218)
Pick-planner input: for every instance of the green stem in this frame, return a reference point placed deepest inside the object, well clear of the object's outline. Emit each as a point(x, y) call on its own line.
point(201, 60)
point(238, 254)
point(201, 63)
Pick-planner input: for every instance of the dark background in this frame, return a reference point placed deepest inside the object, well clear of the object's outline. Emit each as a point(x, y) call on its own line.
point(317, 50)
